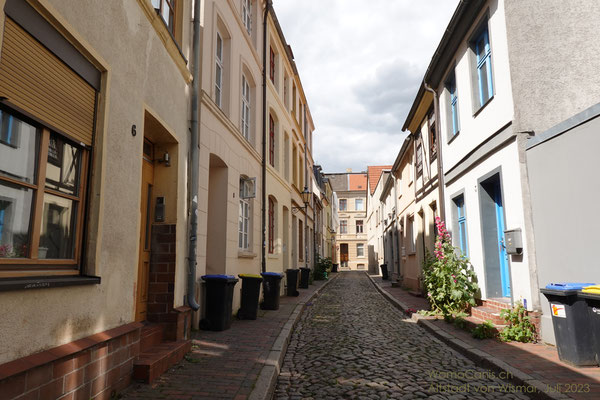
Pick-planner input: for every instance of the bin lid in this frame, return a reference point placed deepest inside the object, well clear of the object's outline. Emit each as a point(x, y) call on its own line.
point(567, 286)
point(222, 277)
point(250, 276)
point(278, 274)
point(595, 289)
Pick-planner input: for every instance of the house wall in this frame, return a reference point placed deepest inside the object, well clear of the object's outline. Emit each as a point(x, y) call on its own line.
point(550, 81)
point(123, 44)
point(564, 232)
point(406, 209)
point(352, 238)
point(477, 125)
point(505, 160)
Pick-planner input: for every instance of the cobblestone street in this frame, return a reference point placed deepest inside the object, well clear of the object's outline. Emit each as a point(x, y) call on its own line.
point(351, 343)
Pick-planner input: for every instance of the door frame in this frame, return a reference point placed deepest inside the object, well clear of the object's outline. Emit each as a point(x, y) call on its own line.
point(503, 258)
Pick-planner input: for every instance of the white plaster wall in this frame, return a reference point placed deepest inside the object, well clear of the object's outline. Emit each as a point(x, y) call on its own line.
point(507, 159)
point(476, 126)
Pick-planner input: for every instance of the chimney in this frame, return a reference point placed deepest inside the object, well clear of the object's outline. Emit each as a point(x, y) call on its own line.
point(348, 170)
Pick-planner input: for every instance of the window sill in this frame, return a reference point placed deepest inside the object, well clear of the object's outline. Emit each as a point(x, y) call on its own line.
point(476, 113)
point(44, 282)
point(453, 137)
point(246, 254)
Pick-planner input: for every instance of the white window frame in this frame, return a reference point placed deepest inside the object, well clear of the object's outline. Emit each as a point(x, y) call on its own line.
point(362, 205)
point(219, 68)
point(247, 15)
point(245, 123)
point(361, 247)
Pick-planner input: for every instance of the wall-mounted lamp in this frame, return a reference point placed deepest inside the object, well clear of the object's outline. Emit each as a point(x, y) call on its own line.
point(166, 159)
point(305, 199)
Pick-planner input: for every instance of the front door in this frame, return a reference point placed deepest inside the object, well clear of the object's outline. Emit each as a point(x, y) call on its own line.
point(145, 227)
point(495, 256)
point(344, 254)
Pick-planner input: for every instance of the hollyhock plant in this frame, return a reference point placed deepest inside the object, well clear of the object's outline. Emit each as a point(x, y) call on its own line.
point(448, 276)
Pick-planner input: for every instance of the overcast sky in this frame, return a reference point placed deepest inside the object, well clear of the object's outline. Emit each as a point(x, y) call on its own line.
point(361, 63)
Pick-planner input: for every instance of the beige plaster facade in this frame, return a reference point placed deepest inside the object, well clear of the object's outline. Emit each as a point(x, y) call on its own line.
point(143, 85)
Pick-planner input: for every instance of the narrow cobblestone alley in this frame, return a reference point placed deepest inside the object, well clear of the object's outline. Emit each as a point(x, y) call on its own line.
point(351, 343)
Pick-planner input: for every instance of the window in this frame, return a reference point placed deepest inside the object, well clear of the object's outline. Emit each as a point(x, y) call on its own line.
point(419, 158)
point(359, 205)
point(286, 83)
point(271, 141)
point(343, 226)
point(360, 250)
point(360, 266)
point(271, 225)
point(245, 108)
point(432, 135)
point(272, 65)
point(42, 184)
point(461, 223)
point(247, 15)
point(244, 217)
point(343, 204)
point(286, 157)
point(300, 240)
point(483, 60)
point(359, 226)
point(452, 106)
point(219, 70)
point(410, 235)
point(294, 100)
point(166, 9)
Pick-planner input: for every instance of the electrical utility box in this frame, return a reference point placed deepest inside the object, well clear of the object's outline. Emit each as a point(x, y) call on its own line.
point(513, 241)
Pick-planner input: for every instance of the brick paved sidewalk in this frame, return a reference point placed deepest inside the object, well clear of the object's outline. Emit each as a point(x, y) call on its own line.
point(225, 365)
point(538, 361)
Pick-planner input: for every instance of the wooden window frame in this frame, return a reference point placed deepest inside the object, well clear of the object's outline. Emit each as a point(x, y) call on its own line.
point(360, 246)
point(271, 225)
point(431, 129)
point(345, 203)
point(271, 141)
point(360, 223)
point(32, 265)
point(343, 226)
point(272, 64)
point(172, 23)
point(300, 240)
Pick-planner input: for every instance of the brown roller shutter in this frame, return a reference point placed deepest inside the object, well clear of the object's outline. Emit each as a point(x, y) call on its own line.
point(35, 80)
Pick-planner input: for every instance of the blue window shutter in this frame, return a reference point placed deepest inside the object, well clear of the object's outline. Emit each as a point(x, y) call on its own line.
point(1, 223)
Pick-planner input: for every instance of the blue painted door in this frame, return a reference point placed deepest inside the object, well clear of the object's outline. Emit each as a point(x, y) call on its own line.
point(504, 273)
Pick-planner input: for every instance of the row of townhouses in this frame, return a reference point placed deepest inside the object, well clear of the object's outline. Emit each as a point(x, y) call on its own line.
point(143, 144)
point(501, 141)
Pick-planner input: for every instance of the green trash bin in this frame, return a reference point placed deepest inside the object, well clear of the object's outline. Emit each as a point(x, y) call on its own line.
point(571, 323)
point(219, 300)
point(250, 296)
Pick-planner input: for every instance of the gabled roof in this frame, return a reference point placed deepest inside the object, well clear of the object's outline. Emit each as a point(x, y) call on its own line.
point(374, 173)
point(357, 182)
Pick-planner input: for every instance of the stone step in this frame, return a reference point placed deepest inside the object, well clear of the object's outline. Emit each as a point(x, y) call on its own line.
point(150, 336)
point(156, 360)
point(496, 304)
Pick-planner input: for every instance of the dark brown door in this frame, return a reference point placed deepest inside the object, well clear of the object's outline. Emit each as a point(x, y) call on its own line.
point(343, 252)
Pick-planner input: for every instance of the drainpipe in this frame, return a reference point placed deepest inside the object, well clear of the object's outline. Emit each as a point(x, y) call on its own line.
point(264, 142)
point(194, 166)
point(438, 149)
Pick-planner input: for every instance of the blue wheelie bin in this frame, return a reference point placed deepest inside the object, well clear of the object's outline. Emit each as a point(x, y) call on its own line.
point(571, 323)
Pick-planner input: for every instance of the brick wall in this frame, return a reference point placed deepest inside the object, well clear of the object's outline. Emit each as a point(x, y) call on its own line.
point(161, 289)
point(95, 367)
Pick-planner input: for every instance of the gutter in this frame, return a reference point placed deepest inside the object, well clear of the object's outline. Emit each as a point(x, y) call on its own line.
point(194, 164)
point(438, 149)
point(263, 214)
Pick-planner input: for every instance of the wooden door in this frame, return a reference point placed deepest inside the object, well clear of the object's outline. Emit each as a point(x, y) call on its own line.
point(145, 229)
point(344, 252)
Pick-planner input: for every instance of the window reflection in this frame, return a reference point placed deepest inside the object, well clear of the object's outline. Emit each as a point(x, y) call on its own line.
point(18, 144)
point(15, 211)
point(62, 170)
point(58, 227)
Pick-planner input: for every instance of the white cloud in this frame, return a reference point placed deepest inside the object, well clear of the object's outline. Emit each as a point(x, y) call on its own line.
point(361, 64)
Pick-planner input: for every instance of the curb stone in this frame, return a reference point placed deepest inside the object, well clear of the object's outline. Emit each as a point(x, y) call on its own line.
point(264, 386)
point(478, 356)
